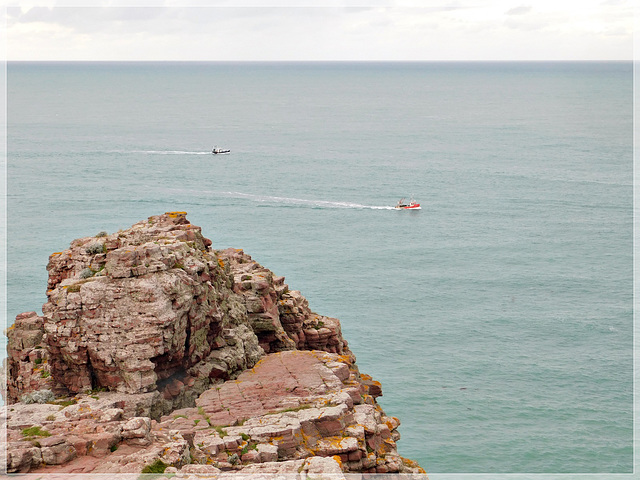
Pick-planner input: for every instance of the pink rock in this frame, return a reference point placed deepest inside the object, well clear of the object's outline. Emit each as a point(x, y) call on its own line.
point(22, 457)
point(101, 443)
point(337, 445)
point(200, 469)
point(252, 456)
point(56, 450)
point(157, 318)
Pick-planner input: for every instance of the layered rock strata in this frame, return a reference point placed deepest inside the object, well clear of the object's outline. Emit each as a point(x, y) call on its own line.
point(157, 352)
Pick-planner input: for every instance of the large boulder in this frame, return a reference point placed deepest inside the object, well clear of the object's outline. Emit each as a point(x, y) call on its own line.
point(144, 309)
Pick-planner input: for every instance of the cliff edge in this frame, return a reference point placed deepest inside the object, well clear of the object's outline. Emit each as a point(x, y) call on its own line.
point(156, 353)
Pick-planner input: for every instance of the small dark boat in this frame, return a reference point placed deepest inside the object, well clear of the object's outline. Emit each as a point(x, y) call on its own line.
point(218, 151)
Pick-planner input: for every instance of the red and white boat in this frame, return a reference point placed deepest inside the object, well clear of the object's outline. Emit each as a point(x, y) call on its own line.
point(412, 205)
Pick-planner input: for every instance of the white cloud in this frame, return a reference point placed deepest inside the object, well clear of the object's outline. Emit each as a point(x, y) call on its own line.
point(371, 30)
point(521, 10)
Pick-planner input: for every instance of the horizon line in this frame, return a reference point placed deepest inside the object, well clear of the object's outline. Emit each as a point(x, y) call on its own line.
point(321, 61)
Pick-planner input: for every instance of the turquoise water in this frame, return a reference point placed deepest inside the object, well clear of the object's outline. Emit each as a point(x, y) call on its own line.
point(498, 318)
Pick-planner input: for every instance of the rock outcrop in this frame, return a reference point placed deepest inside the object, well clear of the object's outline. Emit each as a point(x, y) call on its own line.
point(157, 353)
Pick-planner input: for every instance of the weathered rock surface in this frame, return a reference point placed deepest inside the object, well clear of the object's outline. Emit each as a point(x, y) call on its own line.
point(154, 349)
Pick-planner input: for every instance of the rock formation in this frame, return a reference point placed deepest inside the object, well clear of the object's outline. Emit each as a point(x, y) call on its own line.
point(157, 353)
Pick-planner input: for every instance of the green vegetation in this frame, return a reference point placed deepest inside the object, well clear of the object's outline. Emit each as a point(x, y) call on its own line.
point(102, 234)
point(45, 374)
point(250, 446)
point(204, 414)
point(64, 403)
point(291, 409)
point(156, 467)
point(95, 390)
point(35, 431)
point(221, 431)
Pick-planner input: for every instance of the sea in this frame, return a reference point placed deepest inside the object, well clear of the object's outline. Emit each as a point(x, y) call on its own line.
point(498, 317)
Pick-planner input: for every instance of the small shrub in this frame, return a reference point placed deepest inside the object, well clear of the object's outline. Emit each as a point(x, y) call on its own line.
point(50, 418)
point(45, 374)
point(39, 396)
point(245, 437)
point(87, 273)
point(73, 288)
point(102, 234)
point(95, 248)
point(37, 361)
point(114, 447)
point(156, 467)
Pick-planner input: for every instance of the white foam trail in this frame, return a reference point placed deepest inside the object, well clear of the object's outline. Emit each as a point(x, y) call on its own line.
point(171, 152)
point(304, 202)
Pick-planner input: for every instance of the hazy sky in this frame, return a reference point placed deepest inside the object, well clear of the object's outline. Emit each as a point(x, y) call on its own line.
point(339, 30)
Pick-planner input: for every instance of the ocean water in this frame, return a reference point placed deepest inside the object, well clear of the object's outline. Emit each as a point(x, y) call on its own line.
point(498, 318)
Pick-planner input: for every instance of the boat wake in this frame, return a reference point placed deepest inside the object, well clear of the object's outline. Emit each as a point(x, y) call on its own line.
point(171, 152)
point(301, 202)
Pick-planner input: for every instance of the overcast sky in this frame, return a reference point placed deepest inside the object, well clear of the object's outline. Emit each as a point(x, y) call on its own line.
point(340, 30)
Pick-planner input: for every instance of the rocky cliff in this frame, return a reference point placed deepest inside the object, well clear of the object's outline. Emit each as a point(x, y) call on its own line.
point(157, 353)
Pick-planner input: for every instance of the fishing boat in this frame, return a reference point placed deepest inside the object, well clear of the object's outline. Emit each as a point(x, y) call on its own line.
point(218, 151)
point(412, 205)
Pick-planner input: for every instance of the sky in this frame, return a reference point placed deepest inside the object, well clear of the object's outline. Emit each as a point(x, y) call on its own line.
point(339, 30)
